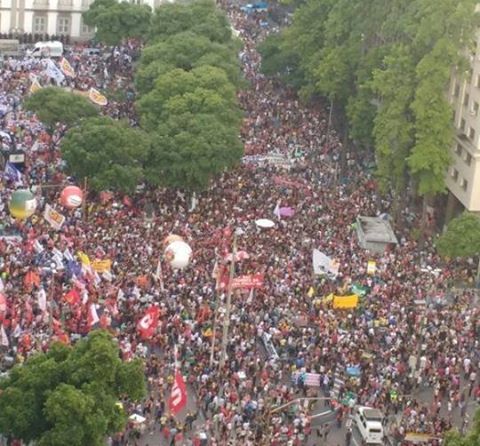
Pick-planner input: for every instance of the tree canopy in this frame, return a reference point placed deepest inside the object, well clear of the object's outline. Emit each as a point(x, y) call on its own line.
point(201, 17)
point(115, 21)
point(108, 152)
point(472, 438)
point(54, 105)
point(185, 50)
point(386, 66)
point(187, 80)
point(70, 395)
point(462, 237)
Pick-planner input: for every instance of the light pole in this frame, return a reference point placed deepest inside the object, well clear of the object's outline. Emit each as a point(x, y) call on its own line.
point(226, 320)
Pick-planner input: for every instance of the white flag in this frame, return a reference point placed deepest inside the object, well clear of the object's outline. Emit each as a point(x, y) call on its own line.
point(276, 211)
point(3, 337)
point(92, 315)
point(53, 72)
point(42, 299)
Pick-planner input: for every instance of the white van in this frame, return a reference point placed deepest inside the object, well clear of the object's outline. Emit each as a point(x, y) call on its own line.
point(369, 424)
point(48, 49)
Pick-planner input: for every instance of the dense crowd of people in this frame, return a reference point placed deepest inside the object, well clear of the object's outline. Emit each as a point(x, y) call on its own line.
point(410, 331)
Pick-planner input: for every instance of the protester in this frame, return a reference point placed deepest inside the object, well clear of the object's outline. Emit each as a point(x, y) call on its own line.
point(399, 346)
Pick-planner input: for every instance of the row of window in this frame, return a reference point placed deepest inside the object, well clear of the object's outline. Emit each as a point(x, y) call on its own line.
point(463, 182)
point(63, 25)
point(471, 130)
point(466, 156)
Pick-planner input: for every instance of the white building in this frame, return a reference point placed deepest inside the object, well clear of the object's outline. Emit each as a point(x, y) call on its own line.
point(52, 17)
point(463, 178)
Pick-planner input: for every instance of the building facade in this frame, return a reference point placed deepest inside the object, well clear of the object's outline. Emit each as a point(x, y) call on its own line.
point(463, 177)
point(46, 18)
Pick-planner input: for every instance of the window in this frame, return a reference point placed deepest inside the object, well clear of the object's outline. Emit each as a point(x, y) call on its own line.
point(456, 91)
point(471, 133)
point(468, 159)
point(87, 29)
point(462, 124)
point(39, 24)
point(454, 174)
point(63, 25)
point(477, 81)
point(458, 149)
point(466, 98)
point(464, 184)
point(474, 110)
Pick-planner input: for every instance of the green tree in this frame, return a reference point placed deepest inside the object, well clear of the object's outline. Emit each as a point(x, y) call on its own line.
point(69, 395)
point(190, 149)
point(116, 21)
point(201, 17)
point(54, 105)
point(472, 438)
point(462, 237)
point(186, 51)
point(203, 90)
point(108, 152)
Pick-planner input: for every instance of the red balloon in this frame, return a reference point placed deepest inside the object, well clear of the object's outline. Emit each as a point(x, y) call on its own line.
point(71, 197)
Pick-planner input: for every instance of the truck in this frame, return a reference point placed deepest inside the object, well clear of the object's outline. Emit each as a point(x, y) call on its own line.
point(52, 48)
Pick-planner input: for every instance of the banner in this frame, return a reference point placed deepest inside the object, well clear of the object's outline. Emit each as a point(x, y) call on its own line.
point(248, 281)
point(309, 379)
point(53, 72)
point(359, 290)
point(53, 217)
point(287, 182)
point(96, 97)
point(178, 397)
point(102, 266)
point(147, 325)
point(66, 68)
point(322, 264)
point(345, 302)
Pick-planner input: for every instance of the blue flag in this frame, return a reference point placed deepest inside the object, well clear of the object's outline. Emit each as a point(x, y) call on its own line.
point(12, 173)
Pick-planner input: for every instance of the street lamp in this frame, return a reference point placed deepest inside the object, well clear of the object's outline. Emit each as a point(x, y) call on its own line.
point(226, 320)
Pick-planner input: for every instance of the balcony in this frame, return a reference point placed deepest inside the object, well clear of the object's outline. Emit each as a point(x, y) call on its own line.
point(65, 5)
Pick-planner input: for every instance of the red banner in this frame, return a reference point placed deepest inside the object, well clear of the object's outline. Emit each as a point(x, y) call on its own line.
point(286, 182)
point(248, 281)
point(178, 397)
point(147, 325)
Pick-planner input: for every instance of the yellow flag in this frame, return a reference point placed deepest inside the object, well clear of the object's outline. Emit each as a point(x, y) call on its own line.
point(328, 298)
point(310, 292)
point(83, 258)
point(208, 332)
point(96, 97)
point(35, 86)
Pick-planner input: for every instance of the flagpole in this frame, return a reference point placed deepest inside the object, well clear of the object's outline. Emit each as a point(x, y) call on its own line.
point(226, 320)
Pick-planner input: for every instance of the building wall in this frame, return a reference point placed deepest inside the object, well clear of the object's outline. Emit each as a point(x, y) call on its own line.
point(463, 177)
point(52, 17)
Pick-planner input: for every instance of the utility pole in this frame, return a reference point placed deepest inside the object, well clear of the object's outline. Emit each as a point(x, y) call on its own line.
point(226, 320)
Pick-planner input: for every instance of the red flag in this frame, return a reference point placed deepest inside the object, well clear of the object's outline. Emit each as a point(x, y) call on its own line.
point(147, 325)
point(72, 297)
point(178, 397)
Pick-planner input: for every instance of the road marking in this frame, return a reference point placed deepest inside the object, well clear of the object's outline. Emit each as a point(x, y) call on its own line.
point(321, 414)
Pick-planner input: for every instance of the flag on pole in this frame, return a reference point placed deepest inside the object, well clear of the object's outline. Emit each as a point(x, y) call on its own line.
point(147, 325)
point(92, 318)
point(178, 397)
point(42, 299)
point(66, 68)
point(53, 72)
point(3, 337)
point(276, 211)
point(12, 173)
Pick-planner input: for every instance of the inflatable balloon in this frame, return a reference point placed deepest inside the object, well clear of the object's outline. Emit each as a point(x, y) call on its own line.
point(178, 254)
point(172, 238)
point(71, 197)
point(22, 204)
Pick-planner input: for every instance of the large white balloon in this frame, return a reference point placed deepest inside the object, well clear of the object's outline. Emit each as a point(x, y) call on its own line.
point(178, 254)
